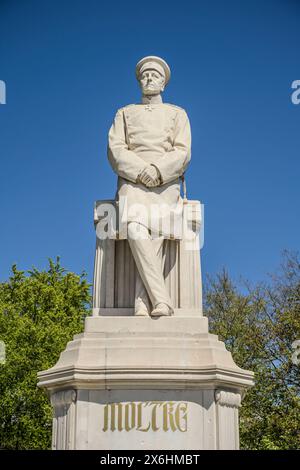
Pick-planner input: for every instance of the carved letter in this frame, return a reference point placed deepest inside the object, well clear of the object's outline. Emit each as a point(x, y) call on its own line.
point(168, 416)
point(132, 414)
point(140, 419)
point(181, 407)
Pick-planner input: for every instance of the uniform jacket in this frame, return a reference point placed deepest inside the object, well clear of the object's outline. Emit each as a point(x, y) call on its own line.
point(159, 134)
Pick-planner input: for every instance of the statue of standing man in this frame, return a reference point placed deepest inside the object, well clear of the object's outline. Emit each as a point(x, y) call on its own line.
point(150, 148)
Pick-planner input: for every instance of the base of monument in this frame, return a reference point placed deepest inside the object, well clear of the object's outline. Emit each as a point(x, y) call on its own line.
point(129, 312)
point(142, 383)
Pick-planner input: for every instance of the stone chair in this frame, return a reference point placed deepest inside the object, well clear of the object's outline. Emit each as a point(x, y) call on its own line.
point(115, 270)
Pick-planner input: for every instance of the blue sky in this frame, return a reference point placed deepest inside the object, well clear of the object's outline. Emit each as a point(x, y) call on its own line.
point(69, 65)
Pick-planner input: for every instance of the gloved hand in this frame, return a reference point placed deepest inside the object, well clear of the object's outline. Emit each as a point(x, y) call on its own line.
point(150, 176)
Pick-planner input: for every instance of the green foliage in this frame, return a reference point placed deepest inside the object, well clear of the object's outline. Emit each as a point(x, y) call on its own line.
point(39, 313)
point(259, 326)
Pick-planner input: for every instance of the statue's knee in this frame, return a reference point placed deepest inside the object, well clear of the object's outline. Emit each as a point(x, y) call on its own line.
point(131, 229)
point(137, 231)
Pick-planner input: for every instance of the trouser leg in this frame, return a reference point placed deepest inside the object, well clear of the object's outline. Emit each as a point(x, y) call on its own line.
point(147, 253)
point(142, 301)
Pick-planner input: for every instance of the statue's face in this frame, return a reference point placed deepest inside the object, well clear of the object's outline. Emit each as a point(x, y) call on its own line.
point(152, 82)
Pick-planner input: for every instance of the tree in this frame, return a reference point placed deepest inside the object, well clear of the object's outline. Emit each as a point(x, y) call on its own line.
point(39, 313)
point(258, 325)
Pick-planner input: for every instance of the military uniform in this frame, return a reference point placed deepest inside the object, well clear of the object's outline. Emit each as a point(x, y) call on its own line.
point(157, 134)
point(143, 134)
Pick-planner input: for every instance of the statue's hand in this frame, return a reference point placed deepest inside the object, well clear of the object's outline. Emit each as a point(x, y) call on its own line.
point(150, 176)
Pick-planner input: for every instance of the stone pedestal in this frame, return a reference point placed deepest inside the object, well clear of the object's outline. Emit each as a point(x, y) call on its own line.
point(141, 383)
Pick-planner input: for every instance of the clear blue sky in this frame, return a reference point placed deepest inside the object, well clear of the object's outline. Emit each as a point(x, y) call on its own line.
point(69, 65)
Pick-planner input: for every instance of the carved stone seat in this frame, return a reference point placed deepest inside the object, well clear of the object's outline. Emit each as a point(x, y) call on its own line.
point(115, 271)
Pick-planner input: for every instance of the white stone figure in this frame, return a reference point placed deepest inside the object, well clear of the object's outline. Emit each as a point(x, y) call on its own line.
point(150, 148)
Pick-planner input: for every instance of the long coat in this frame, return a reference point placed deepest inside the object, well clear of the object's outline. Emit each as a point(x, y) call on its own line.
point(157, 134)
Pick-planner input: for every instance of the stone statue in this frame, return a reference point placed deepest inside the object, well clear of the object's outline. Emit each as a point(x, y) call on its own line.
point(150, 148)
point(129, 382)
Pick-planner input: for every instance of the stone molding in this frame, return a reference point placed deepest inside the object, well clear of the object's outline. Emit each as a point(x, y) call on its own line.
point(225, 398)
point(63, 397)
point(63, 426)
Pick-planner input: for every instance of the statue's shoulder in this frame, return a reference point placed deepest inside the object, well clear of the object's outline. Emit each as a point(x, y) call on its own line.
point(127, 106)
point(174, 107)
